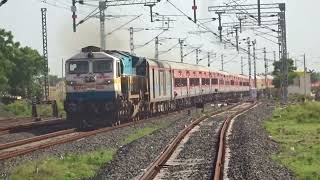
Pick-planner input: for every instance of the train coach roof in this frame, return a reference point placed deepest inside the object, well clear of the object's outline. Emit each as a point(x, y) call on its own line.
point(178, 65)
point(242, 76)
point(159, 64)
point(223, 73)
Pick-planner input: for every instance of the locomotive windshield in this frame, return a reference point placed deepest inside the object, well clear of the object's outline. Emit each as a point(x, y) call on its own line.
point(102, 66)
point(78, 67)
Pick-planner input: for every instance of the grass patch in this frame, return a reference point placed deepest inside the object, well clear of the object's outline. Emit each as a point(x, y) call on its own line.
point(4, 113)
point(73, 166)
point(76, 166)
point(22, 108)
point(297, 129)
point(141, 132)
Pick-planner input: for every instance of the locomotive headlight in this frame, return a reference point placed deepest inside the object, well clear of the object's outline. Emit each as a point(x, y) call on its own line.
point(109, 81)
point(70, 83)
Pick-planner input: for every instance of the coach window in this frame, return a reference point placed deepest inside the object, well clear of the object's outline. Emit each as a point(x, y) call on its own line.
point(214, 81)
point(205, 81)
point(194, 82)
point(180, 82)
point(164, 83)
point(221, 81)
point(232, 82)
point(154, 84)
point(118, 69)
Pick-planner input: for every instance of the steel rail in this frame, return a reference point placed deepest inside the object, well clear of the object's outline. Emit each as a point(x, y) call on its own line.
point(19, 127)
point(36, 138)
point(221, 145)
point(80, 135)
point(153, 169)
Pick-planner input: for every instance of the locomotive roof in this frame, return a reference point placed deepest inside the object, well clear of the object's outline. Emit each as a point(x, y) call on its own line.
point(96, 55)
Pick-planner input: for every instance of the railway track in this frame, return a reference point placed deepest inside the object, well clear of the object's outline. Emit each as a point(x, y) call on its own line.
point(8, 126)
point(167, 165)
point(21, 147)
point(24, 146)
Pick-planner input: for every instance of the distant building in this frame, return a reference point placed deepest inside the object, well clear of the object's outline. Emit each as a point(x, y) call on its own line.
point(316, 84)
point(301, 84)
point(261, 81)
point(57, 92)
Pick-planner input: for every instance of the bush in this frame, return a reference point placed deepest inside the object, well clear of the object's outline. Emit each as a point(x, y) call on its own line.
point(22, 108)
point(297, 129)
point(19, 108)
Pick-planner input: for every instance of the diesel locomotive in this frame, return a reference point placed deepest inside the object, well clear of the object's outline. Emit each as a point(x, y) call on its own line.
point(109, 86)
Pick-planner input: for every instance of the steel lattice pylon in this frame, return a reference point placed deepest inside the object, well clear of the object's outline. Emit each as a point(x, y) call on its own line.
point(45, 52)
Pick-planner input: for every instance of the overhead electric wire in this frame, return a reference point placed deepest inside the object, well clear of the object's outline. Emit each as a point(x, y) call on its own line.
point(140, 46)
point(118, 28)
point(170, 49)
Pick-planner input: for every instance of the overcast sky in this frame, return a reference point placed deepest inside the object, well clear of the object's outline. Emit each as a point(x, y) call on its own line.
point(23, 18)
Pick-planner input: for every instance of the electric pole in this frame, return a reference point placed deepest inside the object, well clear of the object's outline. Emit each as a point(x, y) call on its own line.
point(241, 65)
point(305, 73)
point(194, 7)
point(284, 50)
point(45, 52)
point(62, 64)
point(131, 40)
point(74, 15)
point(254, 63)
point(220, 23)
point(265, 67)
point(222, 63)
point(181, 50)
point(197, 56)
point(208, 59)
point(259, 13)
point(237, 38)
point(156, 55)
point(249, 60)
point(102, 8)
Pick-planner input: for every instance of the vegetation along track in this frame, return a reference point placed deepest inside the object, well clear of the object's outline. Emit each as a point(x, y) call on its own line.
point(173, 150)
point(25, 146)
point(8, 126)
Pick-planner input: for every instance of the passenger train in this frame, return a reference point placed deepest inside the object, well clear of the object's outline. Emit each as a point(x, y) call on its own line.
point(120, 86)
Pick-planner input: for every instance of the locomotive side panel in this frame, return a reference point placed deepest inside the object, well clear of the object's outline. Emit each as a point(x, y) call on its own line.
point(160, 81)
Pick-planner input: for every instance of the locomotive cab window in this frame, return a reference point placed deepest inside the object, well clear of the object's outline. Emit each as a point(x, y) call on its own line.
point(78, 67)
point(102, 66)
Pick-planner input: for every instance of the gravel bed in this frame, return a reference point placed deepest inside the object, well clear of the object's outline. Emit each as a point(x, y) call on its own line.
point(251, 148)
point(196, 159)
point(101, 141)
point(132, 159)
point(29, 133)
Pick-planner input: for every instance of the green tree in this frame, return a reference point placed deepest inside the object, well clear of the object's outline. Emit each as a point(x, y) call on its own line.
point(54, 80)
point(315, 76)
point(6, 53)
point(21, 68)
point(277, 73)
